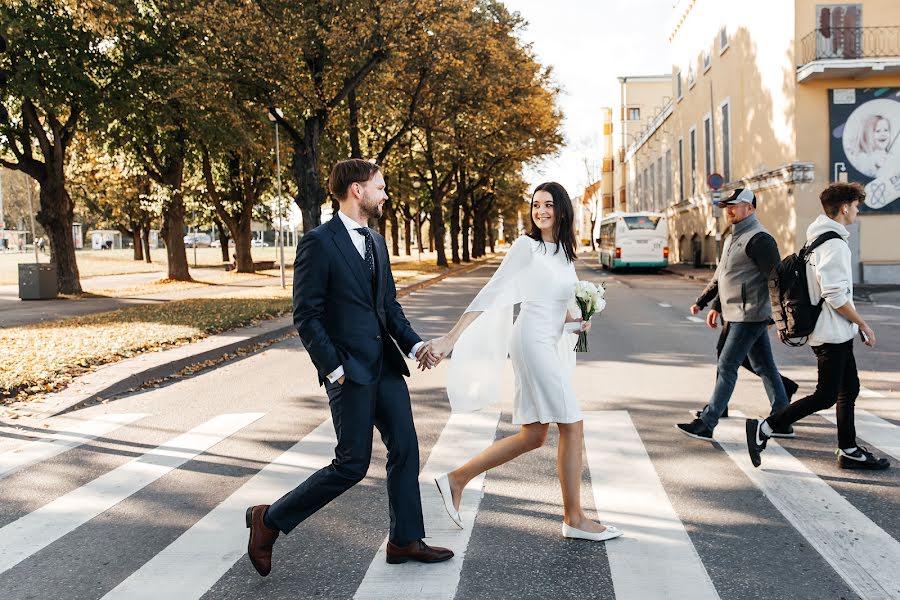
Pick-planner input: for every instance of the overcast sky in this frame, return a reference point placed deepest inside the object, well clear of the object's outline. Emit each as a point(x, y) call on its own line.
point(589, 43)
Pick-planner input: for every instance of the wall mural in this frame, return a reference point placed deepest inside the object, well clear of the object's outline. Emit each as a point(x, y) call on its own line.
point(865, 127)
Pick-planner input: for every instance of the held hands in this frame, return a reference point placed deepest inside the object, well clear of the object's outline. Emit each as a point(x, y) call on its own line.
point(434, 352)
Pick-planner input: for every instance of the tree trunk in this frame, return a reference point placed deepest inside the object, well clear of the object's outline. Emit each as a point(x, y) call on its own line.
point(173, 234)
point(145, 242)
point(454, 228)
point(310, 194)
point(407, 235)
point(136, 229)
point(56, 216)
point(489, 227)
point(355, 150)
point(223, 239)
point(395, 232)
point(437, 234)
point(242, 249)
point(419, 232)
point(466, 225)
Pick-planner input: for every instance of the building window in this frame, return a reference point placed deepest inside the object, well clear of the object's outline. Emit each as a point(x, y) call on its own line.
point(667, 190)
point(691, 78)
point(660, 195)
point(634, 114)
point(707, 60)
point(680, 170)
point(726, 141)
point(679, 91)
point(723, 39)
point(707, 146)
point(692, 160)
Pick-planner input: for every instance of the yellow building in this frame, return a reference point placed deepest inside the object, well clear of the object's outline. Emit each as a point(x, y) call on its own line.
point(782, 97)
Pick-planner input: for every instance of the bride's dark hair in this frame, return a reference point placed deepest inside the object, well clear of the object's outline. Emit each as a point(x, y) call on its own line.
point(564, 219)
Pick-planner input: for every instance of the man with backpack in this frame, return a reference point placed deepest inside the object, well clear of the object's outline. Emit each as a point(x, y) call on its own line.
point(829, 280)
point(741, 282)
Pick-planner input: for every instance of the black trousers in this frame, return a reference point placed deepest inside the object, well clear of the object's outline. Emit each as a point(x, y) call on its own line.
point(838, 383)
point(790, 386)
point(355, 409)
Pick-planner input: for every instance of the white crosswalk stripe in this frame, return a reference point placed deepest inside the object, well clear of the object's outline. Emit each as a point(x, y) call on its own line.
point(654, 558)
point(190, 565)
point(464, 436)
point(52, 444)
point(29, 534)
point(882, 434)
point(861, 552)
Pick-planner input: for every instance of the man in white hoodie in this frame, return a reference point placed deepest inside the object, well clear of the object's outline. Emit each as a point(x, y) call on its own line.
point(829, 278)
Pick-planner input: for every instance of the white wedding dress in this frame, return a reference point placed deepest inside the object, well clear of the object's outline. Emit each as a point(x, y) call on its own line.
point(542, 281)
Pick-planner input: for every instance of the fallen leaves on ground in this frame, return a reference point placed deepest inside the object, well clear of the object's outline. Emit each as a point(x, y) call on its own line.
point(44, 357)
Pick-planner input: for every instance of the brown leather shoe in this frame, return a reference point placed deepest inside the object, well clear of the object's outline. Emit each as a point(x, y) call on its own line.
point(418, 551)
point(259, 548)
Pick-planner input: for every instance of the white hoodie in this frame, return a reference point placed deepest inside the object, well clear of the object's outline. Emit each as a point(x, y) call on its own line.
point(829, 276)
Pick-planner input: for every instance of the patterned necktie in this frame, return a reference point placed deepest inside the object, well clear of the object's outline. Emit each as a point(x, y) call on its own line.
point(369, 257)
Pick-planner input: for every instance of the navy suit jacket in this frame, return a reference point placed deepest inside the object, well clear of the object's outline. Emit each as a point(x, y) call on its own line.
point(341, 319)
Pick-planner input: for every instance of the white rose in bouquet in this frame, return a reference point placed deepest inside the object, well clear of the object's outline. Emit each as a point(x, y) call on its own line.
point(590, 300)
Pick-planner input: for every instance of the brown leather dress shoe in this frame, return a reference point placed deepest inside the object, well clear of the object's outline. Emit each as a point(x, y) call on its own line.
point(418, 551)
point(259, 548)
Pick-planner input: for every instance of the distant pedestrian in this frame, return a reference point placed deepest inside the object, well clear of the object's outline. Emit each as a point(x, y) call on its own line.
point(830, 280)
point(741, 283)
point(41, 244)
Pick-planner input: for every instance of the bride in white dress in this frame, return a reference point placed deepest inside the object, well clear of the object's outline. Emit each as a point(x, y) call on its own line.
point(538, 273)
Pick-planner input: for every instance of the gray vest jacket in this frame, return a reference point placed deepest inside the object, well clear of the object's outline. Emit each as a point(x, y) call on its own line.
point(743, 290)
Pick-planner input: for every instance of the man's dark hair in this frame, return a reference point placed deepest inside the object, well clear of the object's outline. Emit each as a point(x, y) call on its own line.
point(347, 172)
point(839, 194)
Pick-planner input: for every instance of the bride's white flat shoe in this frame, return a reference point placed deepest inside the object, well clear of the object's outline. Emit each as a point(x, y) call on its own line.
point(607, 534)
point(443, 485)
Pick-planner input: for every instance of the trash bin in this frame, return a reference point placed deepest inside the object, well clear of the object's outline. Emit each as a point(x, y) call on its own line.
point(37, 281)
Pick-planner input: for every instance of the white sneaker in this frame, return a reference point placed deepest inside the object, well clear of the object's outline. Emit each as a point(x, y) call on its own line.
point(443, 485)
point(607, 534)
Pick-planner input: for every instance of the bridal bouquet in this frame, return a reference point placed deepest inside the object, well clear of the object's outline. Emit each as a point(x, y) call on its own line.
point(590, 300)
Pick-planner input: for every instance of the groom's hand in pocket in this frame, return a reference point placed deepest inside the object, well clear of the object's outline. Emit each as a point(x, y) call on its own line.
point(341, 379)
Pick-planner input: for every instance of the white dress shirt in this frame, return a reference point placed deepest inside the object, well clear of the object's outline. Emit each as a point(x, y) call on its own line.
point(359, 242)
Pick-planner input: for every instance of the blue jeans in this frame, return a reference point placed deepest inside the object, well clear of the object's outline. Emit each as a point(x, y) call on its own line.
point(750, 340)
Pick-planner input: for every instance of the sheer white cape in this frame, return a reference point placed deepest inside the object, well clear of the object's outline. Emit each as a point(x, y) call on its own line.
point(474, 377)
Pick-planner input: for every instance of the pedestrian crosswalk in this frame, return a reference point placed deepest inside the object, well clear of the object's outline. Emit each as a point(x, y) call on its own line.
point(657, 558)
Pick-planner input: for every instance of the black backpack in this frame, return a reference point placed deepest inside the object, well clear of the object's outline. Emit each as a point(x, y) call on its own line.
point(795, 316)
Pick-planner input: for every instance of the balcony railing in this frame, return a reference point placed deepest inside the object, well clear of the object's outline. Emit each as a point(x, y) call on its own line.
point(850, 43)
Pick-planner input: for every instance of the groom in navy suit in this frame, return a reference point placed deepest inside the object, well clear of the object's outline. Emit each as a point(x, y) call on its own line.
point(348, 317)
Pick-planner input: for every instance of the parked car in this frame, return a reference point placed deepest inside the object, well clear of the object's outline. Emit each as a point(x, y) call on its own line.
point(257, 243)
point(218, 243)
point(198, 240)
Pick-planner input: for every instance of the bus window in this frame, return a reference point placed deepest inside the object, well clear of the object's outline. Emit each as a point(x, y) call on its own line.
point(641, 222)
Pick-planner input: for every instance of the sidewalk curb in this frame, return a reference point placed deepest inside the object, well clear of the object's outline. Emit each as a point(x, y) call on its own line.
point(685, 275)
point(125, 375)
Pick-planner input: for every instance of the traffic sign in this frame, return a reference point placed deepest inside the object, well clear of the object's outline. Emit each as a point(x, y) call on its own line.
point(715, 181)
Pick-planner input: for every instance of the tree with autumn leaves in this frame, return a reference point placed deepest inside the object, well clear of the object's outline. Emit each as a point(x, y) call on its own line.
point(443, 93)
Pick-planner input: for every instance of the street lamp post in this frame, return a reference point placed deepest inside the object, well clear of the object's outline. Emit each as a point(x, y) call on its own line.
point(274, 118)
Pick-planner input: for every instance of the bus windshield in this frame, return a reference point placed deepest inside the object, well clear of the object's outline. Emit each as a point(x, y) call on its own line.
point(641, 222)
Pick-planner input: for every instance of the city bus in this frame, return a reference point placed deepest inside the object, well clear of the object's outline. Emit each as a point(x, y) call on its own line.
point(638, 239)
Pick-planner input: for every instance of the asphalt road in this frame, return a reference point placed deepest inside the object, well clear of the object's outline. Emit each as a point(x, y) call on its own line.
point(136, 509)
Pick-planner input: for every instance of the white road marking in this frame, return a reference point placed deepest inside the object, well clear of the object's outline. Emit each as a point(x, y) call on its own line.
point(862, 553)
point(888, 306)
point(865, 392)
point(464, 436)
point(694, 319)
point(882, 434)
point(655, 557)
point(664, 305)
point(191, 565)
point(60, 441)
point(36, 530)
